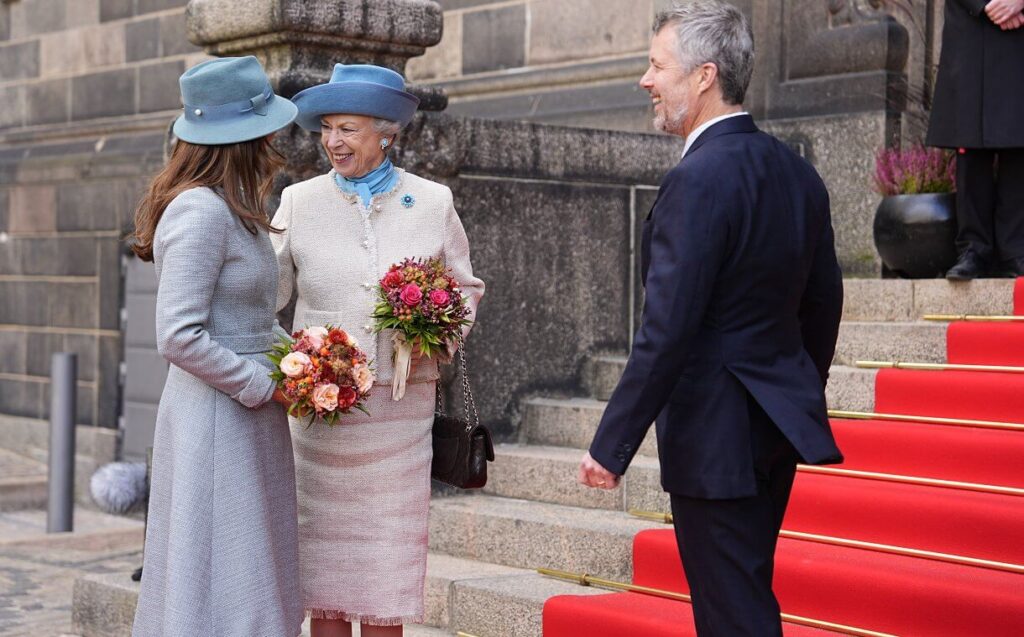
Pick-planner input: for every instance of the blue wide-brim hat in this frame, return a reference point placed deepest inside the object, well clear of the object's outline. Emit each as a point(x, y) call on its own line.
point(229, 100)
point(357, 89)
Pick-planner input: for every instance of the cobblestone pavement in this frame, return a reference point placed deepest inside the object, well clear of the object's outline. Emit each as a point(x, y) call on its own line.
point(38, 570)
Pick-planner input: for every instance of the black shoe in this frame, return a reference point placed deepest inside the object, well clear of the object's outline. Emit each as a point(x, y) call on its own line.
point(968, 266)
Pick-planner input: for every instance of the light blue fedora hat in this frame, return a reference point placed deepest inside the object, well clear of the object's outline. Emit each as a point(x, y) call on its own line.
point(357, 89)
point(229, 100)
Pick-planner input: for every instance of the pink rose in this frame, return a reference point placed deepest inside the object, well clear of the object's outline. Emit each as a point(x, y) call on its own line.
point(412, 295)
point(440, 298)
point(325, 397)
point(315, 336)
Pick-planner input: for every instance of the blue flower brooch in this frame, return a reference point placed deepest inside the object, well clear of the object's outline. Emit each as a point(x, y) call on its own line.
point(408, 200)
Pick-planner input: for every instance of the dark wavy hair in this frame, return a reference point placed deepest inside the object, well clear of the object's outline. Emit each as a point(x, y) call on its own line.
point(242, 174)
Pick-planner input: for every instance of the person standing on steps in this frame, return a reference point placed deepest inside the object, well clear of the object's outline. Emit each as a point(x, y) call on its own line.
point(979, 101)
point(222, 552)
point(743, 300)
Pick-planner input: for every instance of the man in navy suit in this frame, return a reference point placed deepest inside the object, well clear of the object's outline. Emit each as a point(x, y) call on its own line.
point(743, 301)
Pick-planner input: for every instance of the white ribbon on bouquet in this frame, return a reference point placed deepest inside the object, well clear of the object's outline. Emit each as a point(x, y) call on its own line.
point(403, 364)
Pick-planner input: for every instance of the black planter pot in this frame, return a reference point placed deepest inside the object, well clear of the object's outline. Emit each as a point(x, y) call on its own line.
point(916, 234)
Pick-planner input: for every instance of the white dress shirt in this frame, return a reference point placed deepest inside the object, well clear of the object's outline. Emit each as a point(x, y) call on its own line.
point(692, 137)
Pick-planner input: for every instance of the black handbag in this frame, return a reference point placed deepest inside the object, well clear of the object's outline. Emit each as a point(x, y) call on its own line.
point(461, 449)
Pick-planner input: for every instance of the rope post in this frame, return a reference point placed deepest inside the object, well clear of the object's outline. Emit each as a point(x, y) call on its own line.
point(61, 483)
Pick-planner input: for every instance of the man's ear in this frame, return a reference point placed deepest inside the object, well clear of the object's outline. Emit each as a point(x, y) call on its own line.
point(707, 74)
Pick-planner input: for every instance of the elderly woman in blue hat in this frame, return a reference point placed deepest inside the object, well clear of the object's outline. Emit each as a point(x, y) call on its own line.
point(221, 552)
point(364, 486)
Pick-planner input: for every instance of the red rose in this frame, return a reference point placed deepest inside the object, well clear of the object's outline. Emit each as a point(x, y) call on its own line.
point(393, 279)
point(412, 295)
point(346, 397)
point(440, 298)
point(337, 336)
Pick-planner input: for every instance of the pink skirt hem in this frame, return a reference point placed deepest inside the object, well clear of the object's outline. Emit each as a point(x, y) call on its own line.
point(372, 620)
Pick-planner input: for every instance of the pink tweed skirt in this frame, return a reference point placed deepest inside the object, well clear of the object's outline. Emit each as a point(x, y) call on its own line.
point(364, 499)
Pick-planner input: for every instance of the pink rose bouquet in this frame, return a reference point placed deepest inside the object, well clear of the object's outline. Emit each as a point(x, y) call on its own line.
point(323, 373)
point(421, 301)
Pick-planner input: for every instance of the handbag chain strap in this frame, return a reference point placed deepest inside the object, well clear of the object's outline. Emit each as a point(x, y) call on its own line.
point(467, 394)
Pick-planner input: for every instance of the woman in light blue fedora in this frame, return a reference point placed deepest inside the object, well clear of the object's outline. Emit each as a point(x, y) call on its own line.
point(221, 553)
point(364, 486)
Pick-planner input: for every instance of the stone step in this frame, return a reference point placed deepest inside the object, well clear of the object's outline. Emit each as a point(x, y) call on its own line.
point(919, 342)
point(104, 605)
point(569, 422)
point(507, 606)
point(18, 494)
point(530, 535)
point(572, 422)
point(22, 482)
point(905, 300)
point(548, 474)
point(601, 373)
point(850, 388)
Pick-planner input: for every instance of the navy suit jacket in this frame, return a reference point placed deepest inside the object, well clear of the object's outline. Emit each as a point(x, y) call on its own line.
point(743, 299)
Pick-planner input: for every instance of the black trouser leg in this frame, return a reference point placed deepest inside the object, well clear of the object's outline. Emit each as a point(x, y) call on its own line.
point(1009, 204)
point(975, 202)
point(728, 547)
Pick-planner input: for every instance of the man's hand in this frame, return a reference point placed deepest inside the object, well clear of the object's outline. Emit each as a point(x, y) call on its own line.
point(1003, 11)
point(592, 474)
point(1015, 22)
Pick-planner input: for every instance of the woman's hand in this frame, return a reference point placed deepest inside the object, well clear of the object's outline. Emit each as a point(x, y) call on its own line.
point(280, 398)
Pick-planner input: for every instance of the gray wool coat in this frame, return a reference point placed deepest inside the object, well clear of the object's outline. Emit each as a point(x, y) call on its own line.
point(221, 555)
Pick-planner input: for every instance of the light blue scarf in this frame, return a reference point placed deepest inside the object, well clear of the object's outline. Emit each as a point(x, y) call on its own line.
point(379, 180)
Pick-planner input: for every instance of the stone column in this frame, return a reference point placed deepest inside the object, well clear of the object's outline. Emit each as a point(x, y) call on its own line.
point(299, 42)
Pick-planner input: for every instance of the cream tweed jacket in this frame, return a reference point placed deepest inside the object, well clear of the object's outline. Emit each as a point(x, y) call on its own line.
point(334, 250)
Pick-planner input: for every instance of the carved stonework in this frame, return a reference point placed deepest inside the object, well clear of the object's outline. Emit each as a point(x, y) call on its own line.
point(847, 12)
point(299, 42)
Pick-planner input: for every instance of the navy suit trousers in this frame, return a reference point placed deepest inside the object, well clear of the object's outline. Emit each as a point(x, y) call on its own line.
point(728, 546)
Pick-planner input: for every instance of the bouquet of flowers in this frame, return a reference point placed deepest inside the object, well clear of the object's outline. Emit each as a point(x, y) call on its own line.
point(422, 302)
point(323, 373)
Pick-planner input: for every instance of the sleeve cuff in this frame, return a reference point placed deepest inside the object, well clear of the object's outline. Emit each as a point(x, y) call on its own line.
point(259, 390)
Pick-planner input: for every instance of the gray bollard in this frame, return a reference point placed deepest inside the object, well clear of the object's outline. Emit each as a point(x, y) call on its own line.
point(63, 399)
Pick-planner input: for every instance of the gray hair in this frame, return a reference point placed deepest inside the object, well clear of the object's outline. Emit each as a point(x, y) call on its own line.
point(386, 126)
point(715, 32)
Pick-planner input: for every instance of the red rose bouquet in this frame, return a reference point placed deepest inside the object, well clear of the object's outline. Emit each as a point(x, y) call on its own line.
point(323, 373)
point(422, 302)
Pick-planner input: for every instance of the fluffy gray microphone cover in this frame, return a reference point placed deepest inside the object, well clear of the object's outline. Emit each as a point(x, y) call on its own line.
point(120, 487)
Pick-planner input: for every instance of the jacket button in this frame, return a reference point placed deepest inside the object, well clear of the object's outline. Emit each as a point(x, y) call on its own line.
point(368, 328)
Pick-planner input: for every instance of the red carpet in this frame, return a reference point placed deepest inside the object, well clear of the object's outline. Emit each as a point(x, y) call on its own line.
point(984, 525)
point(985, 343)
point(869, 588)
point(629, 615)
point(947, 452)
point(951, 394)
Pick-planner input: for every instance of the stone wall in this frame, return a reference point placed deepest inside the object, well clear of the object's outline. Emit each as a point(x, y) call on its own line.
point(87, 89)
point(826, 70)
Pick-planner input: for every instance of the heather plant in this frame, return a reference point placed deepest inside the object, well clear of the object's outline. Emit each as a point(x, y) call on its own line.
point(914, 170)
